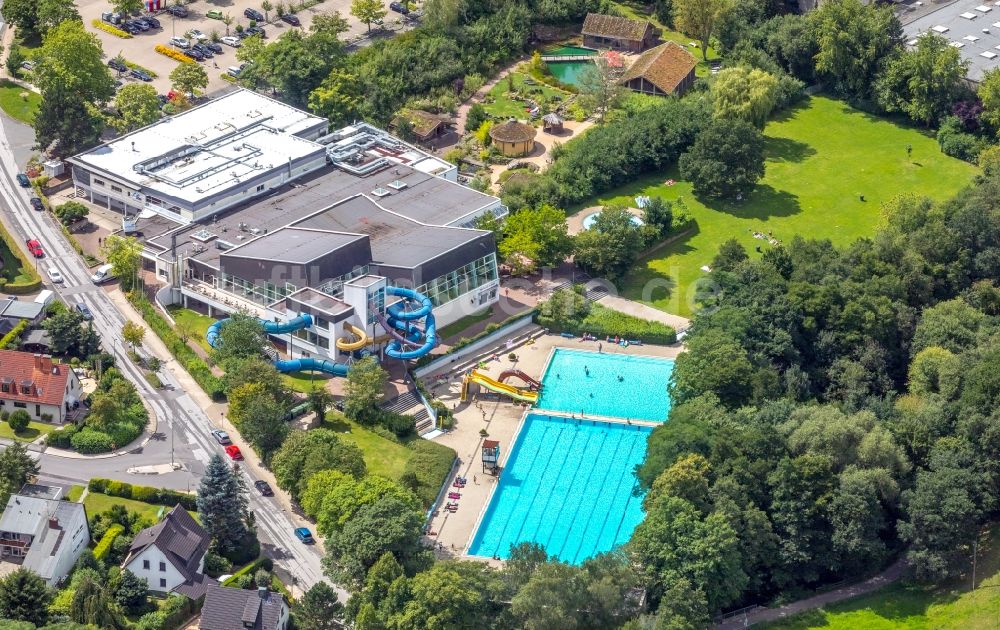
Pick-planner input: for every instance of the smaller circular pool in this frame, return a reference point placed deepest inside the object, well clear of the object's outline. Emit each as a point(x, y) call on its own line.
point(588, 221)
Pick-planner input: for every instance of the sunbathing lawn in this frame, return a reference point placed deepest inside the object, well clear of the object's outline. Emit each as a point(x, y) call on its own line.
point(897, 607)
point(464, 323)
point(821, 156)
point(197, 323)
point(305, 382)
point(16, 106)
point(382, 457)
point(504, 107)
point(97, 502)
point(28, 435)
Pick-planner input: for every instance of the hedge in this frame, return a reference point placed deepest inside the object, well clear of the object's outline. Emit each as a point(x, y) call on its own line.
point(195, 365)
point(603, 322)
point(14, 335)
point(465, 341)
point(176, 55)
point(90, 442)
point(27, 267)
point(134, 66)
point(251, 568)
point(145, 494)
point(172, 614)
point(107, 28)
point(62, 438)
point(430, 464)
point(104, 547)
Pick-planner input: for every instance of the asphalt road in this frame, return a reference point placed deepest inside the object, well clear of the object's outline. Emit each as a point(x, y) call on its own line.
point(183, 429)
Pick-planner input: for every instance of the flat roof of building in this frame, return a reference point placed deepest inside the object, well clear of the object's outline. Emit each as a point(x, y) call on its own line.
point(294, 245)
point(207, 150)
point(969, 25)
point(318, 300)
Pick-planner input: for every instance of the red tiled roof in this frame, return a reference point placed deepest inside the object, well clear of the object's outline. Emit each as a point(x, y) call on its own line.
point(47, 379)
point(664, 66)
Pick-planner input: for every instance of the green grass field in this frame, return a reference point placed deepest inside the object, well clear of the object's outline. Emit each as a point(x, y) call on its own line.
point(305, 382)
point(18, 102)
point(821, 156)
point(382, 457)
point(74, 493)
point(28, 435)
point(949, 607)
point(499, 105)
point(96, 502)
point(460, 325)
point(197, 322)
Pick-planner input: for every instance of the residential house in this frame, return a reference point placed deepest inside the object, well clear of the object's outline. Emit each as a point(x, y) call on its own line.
point(43, 533)
point(13, 312)
point(617, 33)
point(171, 555)
point(665, 70)
point(237, 609)
point(48, 391)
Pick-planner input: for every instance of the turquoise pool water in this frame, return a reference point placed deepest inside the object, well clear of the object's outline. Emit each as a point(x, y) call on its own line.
point(641, 394)
point(567, 485)
point(568, 72)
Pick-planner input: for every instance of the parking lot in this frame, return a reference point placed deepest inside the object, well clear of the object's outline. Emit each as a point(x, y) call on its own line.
point(140, 48)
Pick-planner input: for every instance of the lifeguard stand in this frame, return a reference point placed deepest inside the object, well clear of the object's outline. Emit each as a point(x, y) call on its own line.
point(491, 456)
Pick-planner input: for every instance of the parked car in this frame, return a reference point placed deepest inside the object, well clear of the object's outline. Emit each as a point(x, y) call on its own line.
point(254, 14)
point(37, 204)
point(255, 30)
point(212, 46)
point(263, 488)
point(54, 275)
point(196, 34)
point(131, 29)
point(142, 75)
point(103, 273)
point(28, 65)
point(35, 247)
point(195, 54)
point(152, 21)
point(180, 42)
point(177, 10)
point(399, 7)
point(234, 71)
point(221, 436)
point(292, 19)
point(140, 24)
point(303, 534)
point(231, 40)
point(234, 453)
point(203, 49)
point(84, 310)
point(23, 180)
point(144, 21)
point(214, 14)
point(115, 64)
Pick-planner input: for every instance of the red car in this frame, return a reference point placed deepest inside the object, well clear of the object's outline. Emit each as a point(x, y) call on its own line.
point(35, 248)
point(234, 452)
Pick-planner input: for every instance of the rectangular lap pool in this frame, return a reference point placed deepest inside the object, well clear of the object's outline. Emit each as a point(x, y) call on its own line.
point(568, 486)
point(617, 385)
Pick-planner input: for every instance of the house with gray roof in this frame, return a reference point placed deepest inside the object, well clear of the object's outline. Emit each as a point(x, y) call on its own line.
point(170, 555)
point(237, 609)
point(43, 533)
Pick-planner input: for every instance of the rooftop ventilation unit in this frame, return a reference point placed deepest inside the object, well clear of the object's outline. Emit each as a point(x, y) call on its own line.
point(223, 245)
point(397, 184)
point(381, 192)
point(255, 231)
point(203, 236)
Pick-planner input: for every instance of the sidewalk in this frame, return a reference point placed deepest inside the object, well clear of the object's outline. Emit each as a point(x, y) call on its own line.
point(761, 615)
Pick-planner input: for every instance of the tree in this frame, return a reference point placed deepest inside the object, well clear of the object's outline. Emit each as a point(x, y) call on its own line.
point(64, 330)
point(535, 237)
point(124, 254)
point(17, 468)
point(266, 6)
point(688, 479)
point(333, 498)
point(660, 214)
point(51, 13)
point(854, 41)
point(92, 605)
point(600, 83)
point(387, 525)
point(716, 363)
point(951, 324)
point(18, 420)
point(305, 453)
point(259, 417)
point(475, 117)
point(127, 6)
point(70, 62)
point(364, 391)
point(989, 94)
point(698, 18)
point(242, 336)
point(727, 159)
point(65, 124)
point(682, 607)
point(731, 255)
point(256, 370)
point(923, 82)
point(137, 105)
point(744, 93)
point(320, 399)
point(133, 333)
point(338, 97)
point(227, 19)
point(367, 11)
point(188, 78)
point(451, 594)
point(318, 609)
point(611, 245)
point(14, 60)
point(23, 15)
point(129, 590)
point(70, 212)
point(24, 596)
point(222, 505)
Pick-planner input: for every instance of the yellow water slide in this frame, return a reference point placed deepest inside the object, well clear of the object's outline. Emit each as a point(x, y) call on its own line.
point(361, 341)
point(517, 393)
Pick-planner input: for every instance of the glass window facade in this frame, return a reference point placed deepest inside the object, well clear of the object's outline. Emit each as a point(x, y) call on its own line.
point(464, 279)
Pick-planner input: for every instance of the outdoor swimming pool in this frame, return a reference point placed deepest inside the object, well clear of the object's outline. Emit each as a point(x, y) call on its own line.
point(567, 485)
point(588, 382)
point(568, 72)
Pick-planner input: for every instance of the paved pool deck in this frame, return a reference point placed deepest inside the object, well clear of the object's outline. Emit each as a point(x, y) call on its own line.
point(451, 533)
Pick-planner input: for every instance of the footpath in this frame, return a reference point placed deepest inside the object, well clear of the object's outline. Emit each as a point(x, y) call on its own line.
point(872, 584)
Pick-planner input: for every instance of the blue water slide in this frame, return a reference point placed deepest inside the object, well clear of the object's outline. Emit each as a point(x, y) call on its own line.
point(399, 318)
point(281, 328)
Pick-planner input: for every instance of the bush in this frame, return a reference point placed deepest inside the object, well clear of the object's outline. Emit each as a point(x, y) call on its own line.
point(429, 467)
point(216, 565)
point(13, 338)
point(88, 441)
point(63, 437)
point(401, 425)
point(954, 141)
point(173, 54)
point(107, 28)
point(603, 322)
point(18, 421)
point(104, 546)
point(248, 570)
point(171, 614)
point(146, 494)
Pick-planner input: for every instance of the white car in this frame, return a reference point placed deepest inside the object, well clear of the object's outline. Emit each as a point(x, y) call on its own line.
point(196, 34)
point(54, 275)
point(180, 42)
point(231, 40)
